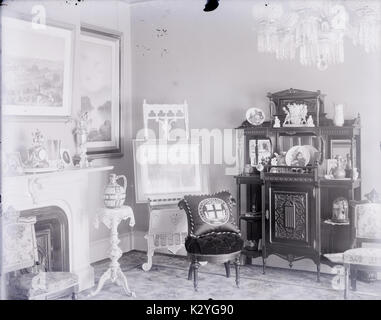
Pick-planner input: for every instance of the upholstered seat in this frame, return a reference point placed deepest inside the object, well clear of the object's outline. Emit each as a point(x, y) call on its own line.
point(45, 285)
point(367, 229)
point(214, 244)
point(20, 260)
point(363, 256)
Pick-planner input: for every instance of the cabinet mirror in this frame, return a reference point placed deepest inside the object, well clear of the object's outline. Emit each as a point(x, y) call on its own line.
point(260, 150)
point(343, 148)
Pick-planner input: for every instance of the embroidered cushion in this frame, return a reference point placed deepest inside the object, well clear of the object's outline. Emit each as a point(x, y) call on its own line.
point(37, 286)
point(363, 256)
point(208, 214)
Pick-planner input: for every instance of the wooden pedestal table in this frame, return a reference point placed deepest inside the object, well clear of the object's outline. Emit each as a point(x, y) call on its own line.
point(111, 218)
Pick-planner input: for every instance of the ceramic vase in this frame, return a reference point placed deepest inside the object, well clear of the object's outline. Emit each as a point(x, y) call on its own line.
point(338, 119)
point(115, 194)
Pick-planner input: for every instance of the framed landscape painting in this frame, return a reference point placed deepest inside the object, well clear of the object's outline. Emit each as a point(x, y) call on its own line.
point(37, 66)
point(100, 76)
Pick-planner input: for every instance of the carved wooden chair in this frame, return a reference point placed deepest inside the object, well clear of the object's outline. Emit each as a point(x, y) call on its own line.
point(20, 253)
point(212, 234)
point(367, 229)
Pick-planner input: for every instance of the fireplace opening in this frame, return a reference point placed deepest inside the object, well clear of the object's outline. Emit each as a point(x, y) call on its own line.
point(52, 238)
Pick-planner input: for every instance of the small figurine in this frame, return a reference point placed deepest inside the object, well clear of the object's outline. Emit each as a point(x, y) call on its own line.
point(287, 120)
point(310, 121)
point(276, 122)
point(81, 134)
point(38, 156)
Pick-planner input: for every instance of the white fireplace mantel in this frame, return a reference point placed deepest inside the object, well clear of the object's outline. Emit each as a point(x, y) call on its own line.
point(66, 189)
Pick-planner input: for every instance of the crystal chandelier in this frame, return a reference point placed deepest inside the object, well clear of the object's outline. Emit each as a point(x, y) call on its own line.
point(314, 31)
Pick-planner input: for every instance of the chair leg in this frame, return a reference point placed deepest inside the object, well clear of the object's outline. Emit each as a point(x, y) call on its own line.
point(227, 269)
point(263, 265)
point(74, 295)
point(346, 281)
point(190, 271)
point(195, 267)
point(237, 270)
point(353, 275)
point(318, 272)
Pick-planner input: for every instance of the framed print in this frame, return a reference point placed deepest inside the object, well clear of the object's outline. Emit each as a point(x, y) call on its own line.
point(66, 157)
point(100, 76)
point(37, 66)
point(167, 170)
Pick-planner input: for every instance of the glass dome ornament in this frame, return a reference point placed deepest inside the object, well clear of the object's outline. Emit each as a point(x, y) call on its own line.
point(340, 210)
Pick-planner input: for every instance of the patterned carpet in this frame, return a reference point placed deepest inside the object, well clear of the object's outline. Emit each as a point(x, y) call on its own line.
point(167, 280)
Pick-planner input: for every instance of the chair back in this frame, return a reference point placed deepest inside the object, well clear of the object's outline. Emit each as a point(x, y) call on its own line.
point(19, 241)
point(367, 222)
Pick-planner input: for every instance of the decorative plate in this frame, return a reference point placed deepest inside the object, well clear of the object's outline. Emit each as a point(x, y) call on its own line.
point(298, 156)
point(255, 116)
point(314, 153)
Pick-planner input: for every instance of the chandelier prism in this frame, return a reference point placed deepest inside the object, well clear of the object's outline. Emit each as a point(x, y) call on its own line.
point(314, 31)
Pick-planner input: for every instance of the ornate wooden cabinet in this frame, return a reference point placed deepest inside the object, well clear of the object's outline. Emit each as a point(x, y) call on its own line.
point(291, 219)
point(289, 203)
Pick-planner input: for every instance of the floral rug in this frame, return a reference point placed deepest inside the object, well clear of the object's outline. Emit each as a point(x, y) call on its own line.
point(168, 280)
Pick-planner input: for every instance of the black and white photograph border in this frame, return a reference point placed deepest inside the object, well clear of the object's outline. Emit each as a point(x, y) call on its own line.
point(162, 94)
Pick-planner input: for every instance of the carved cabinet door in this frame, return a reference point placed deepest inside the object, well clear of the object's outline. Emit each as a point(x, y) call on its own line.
point(290, 218)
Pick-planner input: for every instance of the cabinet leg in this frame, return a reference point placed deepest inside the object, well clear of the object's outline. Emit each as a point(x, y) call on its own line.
point(227, 269)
